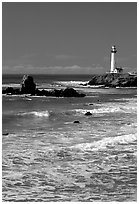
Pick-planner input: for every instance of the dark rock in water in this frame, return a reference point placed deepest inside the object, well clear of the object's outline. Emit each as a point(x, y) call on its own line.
point(82, 95)
point(11, 91)
point(114, 79)
point(17, 91)
point(41, 92)
point(8, 90)
point(5, 133)
point(88, 113)
point(56, 93)
point(4, 91)
point(76, 121)
point(70, 92)
point(27, 85)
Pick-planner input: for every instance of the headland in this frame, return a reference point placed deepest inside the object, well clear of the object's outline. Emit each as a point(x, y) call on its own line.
point(114, 80)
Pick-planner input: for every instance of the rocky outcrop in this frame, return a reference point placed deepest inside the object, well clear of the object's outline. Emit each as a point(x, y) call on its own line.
point(114, 79)
point(70, 92)
point(29, 87)
point(88, 113)
point(76, 121)
point(11, 91)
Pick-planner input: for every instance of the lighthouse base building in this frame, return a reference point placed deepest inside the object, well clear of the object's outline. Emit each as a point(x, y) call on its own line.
point(117, 70)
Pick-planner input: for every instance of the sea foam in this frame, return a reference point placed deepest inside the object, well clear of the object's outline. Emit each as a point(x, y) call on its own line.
point(71, 83)
point(11, 85)
point(127, 107)
point(35, 113)
point(106, 142)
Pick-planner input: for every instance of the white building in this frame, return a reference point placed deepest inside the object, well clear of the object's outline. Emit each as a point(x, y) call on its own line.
point(114, 69)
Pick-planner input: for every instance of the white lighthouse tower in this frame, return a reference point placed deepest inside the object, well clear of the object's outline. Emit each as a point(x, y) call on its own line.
point(113, 62)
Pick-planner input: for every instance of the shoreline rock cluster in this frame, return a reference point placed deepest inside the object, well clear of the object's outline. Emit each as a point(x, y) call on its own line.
point(114, 80)
point(29, 87)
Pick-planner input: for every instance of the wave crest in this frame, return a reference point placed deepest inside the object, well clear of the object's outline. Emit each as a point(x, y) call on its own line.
point(105, 142)
point(36, 113)
point(129, 107)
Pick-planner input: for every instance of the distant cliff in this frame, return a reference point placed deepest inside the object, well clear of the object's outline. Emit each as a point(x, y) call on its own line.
point(114, 80)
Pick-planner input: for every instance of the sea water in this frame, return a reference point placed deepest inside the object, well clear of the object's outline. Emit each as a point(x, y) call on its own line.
point(47, 157)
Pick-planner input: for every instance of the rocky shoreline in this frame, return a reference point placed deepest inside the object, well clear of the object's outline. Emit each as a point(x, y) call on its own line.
point(29, 87)
point(114, 80)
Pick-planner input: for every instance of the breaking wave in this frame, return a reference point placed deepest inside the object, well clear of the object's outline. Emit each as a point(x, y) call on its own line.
point(11, 85)
point(127, 107)
point(35, 113)
point(71, 83)
point(107, 142)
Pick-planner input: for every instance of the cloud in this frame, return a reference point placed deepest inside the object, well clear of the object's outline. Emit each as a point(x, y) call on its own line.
point(74, 69)
point(30, 69)
point(17, 69)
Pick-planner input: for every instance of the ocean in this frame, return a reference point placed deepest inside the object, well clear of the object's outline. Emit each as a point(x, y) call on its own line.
point(47, 157)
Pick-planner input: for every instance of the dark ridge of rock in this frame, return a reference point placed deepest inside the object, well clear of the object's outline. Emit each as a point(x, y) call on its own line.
point(27, 85)
point(88, 113)
point(70, 92)
point(17, 91)
point(114, 79)
point(56, 93)
point(11, 91)
point(8, 90)
point(41, 92)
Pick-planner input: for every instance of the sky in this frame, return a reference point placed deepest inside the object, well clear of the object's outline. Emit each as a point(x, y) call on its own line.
point(68, 37)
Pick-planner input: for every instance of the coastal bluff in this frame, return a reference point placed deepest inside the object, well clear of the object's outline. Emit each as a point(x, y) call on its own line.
point(114, 80)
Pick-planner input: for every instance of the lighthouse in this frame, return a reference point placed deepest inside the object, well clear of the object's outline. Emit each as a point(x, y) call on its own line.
point(113, 62)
